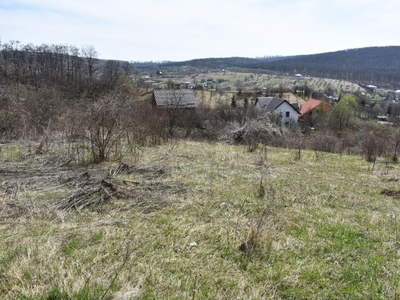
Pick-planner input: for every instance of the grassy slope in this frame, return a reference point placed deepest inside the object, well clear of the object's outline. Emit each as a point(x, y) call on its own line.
point(330, 233)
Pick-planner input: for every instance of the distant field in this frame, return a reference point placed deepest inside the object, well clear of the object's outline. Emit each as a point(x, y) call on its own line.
point(192, 220)
point(251, 81)
point(231, 82)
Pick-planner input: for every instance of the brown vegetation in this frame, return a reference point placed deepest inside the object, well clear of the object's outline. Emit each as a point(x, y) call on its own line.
point(79, 153)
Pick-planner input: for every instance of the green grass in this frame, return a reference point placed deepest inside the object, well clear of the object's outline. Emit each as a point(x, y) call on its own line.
point(330, 233)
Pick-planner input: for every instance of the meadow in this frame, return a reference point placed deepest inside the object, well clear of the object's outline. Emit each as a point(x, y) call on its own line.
point(195, 220)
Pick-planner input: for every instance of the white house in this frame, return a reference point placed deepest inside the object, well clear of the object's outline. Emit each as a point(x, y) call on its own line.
point(280, 106)
point(397, 94)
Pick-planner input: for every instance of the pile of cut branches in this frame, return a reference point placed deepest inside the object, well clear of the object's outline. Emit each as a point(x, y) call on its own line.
point(90, 194)
point(144, 191)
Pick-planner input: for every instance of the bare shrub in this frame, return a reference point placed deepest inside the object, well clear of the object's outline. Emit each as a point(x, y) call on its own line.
point(10, 120)
point(208, 126)
point(255, 131)
point(395, 144)
point(42, 107)
point(323, 142)
point(105, 125)
point(372, 143)
point(296, 142)
point(369, 146)
point(71, 123)
point(348, 143)
point(145, 127)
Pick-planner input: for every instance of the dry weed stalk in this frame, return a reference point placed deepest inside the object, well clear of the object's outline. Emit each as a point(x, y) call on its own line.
point(258, 223)
point(129, 250)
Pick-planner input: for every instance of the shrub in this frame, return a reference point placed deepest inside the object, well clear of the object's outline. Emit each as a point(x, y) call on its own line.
point(373, 142)
point(324, 142)
point(255, 131)
point(106, 126)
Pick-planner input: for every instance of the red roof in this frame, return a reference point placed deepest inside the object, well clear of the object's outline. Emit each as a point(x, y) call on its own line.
point(309, 105)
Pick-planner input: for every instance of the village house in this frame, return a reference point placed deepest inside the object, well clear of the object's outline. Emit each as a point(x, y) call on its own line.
point(279, 106)
point(311, 109)
point(173, 99)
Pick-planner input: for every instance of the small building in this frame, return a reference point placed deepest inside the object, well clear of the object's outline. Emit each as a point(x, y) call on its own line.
point(173, 99)
point(382, 118)
point(311, 109)
point(278, 106)
point(397, 94)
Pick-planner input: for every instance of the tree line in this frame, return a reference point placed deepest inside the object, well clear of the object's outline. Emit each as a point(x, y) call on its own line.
point(75, 70)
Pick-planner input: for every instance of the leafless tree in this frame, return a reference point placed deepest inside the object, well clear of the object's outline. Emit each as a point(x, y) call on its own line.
point(91, 55)
point(111, 73)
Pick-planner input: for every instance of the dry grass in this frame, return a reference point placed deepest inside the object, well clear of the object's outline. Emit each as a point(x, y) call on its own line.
point(330, 231)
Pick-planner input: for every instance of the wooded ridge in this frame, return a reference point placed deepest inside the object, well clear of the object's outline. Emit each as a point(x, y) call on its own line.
point(374, 65)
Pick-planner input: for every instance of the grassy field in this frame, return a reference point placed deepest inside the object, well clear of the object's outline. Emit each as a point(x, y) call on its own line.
point(192, 220)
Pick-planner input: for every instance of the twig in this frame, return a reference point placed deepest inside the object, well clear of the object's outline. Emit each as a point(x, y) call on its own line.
point(127, 256)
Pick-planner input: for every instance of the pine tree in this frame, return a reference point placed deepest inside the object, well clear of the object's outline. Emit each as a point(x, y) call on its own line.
point(233, 102)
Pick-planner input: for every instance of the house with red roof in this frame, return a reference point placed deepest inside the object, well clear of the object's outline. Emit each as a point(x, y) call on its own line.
point(311, 109)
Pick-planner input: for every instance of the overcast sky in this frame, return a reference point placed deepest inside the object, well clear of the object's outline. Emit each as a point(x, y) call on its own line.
point(180, 30)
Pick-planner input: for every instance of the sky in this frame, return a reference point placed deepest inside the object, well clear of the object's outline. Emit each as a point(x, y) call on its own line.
point(178, 30)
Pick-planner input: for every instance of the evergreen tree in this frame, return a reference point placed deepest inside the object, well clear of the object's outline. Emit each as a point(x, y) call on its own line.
point(233, 102)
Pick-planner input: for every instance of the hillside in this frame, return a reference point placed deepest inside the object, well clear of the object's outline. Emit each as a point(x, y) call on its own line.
point(372, 65)
point(378, 65)
point(191, 220)
point(222, 63)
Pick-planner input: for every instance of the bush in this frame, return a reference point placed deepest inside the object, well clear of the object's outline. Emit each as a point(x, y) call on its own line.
point(324, 142)
point(373, 142)
point(255, 131)
point(106, 122)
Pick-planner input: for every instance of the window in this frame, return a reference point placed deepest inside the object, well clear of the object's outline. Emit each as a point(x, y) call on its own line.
point(288, 114)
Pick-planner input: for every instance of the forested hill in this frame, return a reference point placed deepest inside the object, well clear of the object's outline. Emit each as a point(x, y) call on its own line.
point(223, 63)
point(377, 65)
point(374, 65)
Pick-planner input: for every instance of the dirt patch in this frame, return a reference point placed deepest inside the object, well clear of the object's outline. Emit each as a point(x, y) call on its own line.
point(3, 227)
point(391, 193)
